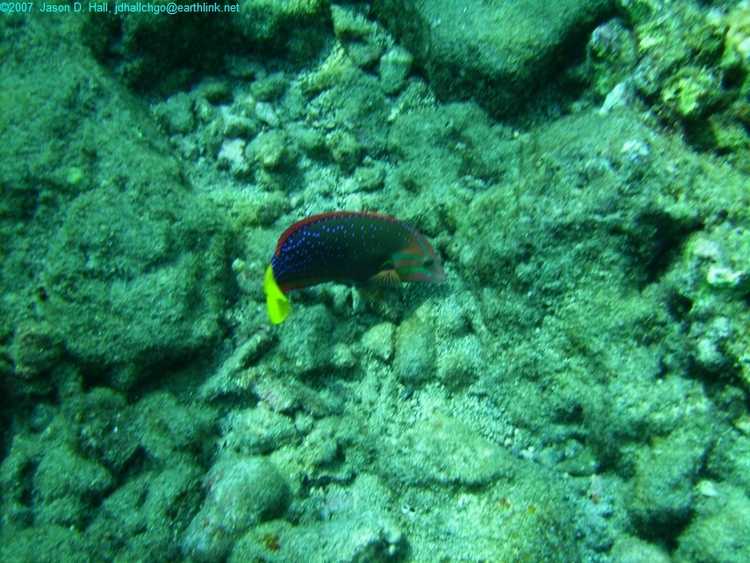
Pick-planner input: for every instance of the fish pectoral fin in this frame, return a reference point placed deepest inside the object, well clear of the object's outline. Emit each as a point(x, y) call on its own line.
point(276, 302)
point(386, 277)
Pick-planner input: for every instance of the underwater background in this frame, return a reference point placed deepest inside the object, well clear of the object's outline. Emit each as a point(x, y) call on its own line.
point(577, 388)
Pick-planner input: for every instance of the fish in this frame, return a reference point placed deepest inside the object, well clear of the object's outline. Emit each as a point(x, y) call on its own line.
point(347, 247)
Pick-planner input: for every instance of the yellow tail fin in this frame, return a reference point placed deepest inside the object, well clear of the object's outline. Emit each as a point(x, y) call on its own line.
point(276, 302)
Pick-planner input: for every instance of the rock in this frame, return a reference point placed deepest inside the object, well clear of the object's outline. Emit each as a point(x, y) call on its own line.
point(444, 451)
point(303, 347)
point(120, 250)
point(144, 515)
point(459, 361)
point(241, 492)
point(176, 114)
point(232, 157)
point(345, 149)
point(355, 523)
point(395, 66)
point(103, 424)
point(363, 40)
point(270, 149)
point(258, 431)
point(46, 543)
point(628, 549)
point(109, 239)
point(719, 532)
point(369, 177)
point(240, 127)
point(414, 362)
point(379, 341)
point(269, 87)
point(661, 493)
point(297, 27)
point(169, 431)
point(65, 484)
point(498, 53)
point(35, 349)
point(265, 112)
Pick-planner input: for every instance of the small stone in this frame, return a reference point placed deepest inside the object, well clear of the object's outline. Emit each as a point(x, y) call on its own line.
point(231, 157)
point(414, 361)
point(176, 114)
point(364, 41)
point(379, 341)
point(395, 66)
point(265, 112)
point(237, 126)
point(345, 149)
point(35, 349)
point(707, 488)
point(259, 431)
point(270, 87)
point(216, 92)
point(369, 178)
point(241, 492)
point(269, 149)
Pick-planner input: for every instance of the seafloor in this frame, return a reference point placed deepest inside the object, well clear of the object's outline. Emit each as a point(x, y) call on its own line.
point(577, 390)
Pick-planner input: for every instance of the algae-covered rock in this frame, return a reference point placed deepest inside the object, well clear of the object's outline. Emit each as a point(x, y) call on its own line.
point(443, 451)
point(628, 549)
point(353, 523)
point(127, 283)
point(720, 530)
point(296, 26)
point(513, 519)
point(176, 114)
point(104, 427)
point(661, 494)
point(345, 149)
point(731, 462)
point(66, 484)
point(36, 347)
point(46, 543)
point(241, 492)
point(139, 521)
point(436, 146)
point(169, 431)
point(611, 56)
point(258, 431)
point(459, 361)
point(395, 66)
point(363, 40)
point(379, 341)
point(414, 362)
point(271, 150)
point(128, 263)
point(304, 348)
point(498, 53)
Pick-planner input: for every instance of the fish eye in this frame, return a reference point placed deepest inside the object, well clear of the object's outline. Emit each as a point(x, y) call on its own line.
point(427, 262)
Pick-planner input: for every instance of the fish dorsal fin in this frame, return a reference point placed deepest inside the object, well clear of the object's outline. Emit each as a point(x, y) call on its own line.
point(388, 276)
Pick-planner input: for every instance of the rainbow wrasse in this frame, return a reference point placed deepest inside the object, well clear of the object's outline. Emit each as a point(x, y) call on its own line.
point(347, 247)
